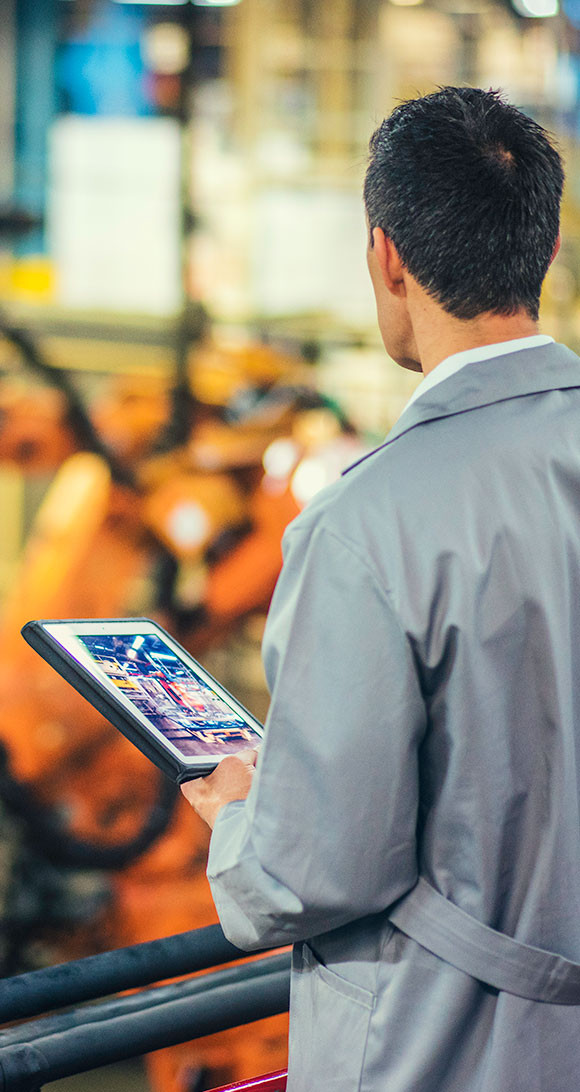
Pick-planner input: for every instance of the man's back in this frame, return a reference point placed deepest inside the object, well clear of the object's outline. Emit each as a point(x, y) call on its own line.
point(482, 560)
point(471, 521)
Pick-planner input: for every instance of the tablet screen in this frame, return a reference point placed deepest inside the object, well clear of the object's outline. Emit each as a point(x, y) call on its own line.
point(187, 709)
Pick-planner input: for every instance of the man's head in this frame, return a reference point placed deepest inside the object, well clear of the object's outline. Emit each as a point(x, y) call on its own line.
point(467, 188)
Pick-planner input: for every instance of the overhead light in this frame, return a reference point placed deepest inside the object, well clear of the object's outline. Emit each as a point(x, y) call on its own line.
point(198, 3)
point(156, 3)
point(536, 9)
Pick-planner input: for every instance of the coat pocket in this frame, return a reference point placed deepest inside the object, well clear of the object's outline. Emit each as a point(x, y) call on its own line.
point(329, 1026)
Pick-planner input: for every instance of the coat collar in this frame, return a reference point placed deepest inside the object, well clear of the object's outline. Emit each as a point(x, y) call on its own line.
point(483, 382)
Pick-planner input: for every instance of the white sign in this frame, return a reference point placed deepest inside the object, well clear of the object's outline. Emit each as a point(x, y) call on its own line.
point(114, 213)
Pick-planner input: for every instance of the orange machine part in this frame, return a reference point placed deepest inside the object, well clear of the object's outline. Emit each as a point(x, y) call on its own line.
point(246, 577)
point(189, 510)
point(33, 433)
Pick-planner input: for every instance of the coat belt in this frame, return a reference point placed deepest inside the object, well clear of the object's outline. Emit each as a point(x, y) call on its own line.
point(484, 953)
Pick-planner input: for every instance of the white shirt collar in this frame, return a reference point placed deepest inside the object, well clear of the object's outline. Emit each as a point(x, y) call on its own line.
point(453, 363)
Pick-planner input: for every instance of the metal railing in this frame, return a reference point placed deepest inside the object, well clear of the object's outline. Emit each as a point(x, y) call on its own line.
point(59, 1045)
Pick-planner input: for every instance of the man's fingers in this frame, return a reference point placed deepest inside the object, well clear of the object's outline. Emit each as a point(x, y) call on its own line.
point(231, 780)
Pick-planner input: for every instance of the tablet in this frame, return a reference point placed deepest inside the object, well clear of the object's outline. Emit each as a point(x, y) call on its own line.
point(149, 688)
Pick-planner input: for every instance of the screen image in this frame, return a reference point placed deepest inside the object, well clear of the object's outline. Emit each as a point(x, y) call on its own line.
point(181, 704)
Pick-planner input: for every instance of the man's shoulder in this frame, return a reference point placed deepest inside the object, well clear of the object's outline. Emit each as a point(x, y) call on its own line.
point(459, 408)
point(362, 497)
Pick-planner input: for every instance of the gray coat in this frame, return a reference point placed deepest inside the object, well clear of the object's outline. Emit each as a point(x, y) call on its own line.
point(423, 656)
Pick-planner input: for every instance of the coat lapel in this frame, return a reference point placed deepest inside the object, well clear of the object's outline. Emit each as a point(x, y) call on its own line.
point(545, 368)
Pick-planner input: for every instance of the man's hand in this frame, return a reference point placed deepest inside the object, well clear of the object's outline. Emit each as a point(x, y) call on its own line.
point(230, 780)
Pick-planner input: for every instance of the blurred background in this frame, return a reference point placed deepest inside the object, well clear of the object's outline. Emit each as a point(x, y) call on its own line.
point(188, 352)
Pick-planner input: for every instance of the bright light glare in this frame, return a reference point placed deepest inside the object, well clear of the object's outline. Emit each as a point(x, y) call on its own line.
point(215, 3)
point(308, 479)
point(138, 642)
point(280, 458)
point(188, 525)
point(324, 467)
point(536, 9)
point(165, 48)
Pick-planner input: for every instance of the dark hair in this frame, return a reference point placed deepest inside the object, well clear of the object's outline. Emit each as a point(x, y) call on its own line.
point(468, 189)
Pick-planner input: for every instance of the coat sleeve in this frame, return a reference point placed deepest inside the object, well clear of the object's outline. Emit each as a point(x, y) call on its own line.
point(327, 834)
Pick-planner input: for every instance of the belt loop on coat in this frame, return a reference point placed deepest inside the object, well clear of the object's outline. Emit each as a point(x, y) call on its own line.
point(484, 953)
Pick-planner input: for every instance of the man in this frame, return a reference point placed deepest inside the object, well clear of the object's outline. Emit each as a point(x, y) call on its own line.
point(414, 822)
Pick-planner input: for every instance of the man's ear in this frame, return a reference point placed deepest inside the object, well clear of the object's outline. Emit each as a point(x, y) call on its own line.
point(389, 263)
point(557, 245)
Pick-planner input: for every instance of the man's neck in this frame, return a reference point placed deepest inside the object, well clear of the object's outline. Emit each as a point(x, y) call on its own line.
point(439, 335)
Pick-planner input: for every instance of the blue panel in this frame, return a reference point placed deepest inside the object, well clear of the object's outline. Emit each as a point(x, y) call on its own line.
point(36, 37)
point(101, 70)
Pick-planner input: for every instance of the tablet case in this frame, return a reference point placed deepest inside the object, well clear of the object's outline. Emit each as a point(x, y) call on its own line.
point(82, 681)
